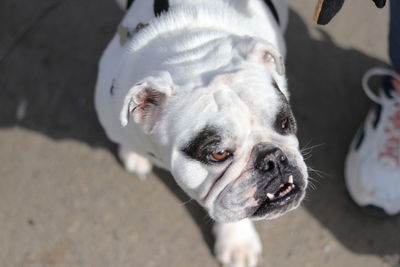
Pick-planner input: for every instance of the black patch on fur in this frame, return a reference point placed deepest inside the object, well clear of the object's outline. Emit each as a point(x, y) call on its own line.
point(160, 6)
point(285, 113)
point(204, 143)
point(129, 3)
point(271, 6)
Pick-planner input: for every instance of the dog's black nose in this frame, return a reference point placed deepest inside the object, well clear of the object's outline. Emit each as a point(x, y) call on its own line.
point(271, 160)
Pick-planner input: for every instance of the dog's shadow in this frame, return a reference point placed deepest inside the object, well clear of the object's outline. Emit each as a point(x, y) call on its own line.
point(47, 86)
point(199, 215)
point(325, 83)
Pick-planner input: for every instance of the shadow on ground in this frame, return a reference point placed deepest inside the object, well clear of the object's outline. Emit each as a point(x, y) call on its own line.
point(51, 69)
point(325, 81)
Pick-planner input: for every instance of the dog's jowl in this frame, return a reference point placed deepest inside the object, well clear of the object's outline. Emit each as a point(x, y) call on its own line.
point(199, 88)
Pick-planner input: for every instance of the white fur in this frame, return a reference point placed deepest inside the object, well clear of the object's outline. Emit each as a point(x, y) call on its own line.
point(237, 244)
point(134, 163)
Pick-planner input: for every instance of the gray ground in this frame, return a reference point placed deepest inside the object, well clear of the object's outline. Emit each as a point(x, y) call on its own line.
point(66, 201)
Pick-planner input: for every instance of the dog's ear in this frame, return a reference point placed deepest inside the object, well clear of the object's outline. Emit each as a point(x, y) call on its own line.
point(270, 56)
point(145, 99)
point(262, 51)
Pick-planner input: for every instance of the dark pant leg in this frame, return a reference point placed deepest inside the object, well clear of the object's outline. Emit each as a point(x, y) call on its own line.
point(394, 34)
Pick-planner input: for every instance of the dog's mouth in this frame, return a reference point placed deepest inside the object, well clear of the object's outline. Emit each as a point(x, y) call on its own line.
point(259, 197)
point(280, 200)
point(282, 194)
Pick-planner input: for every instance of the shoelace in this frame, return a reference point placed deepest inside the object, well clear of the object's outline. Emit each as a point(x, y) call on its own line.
point(390, 153)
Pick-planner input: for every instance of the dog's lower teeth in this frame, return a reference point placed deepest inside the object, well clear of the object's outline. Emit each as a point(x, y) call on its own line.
point(284, 189)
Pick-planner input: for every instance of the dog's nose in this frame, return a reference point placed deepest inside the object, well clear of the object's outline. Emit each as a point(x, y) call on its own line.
point(271, 160)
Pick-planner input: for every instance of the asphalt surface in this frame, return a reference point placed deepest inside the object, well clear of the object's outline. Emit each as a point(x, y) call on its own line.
point(65, 200)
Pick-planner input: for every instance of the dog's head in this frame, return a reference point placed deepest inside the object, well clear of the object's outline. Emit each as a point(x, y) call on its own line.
point(230, 143)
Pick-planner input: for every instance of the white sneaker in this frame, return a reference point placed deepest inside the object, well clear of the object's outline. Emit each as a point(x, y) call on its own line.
point(372, 168)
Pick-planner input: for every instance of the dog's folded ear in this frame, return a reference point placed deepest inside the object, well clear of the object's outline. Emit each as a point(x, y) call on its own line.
point(271, 57)
point(145, 99)
point(264, 52)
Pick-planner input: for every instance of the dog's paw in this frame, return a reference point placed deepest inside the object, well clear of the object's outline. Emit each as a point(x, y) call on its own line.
point(134, 163)
point(237, 244)
point(243, 253)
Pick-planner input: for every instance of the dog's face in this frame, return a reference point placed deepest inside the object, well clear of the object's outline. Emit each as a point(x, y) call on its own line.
point(238, 155)
point(231, 144)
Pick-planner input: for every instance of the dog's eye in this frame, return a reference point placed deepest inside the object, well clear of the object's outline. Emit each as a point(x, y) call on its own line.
point(219, 156)
point(284, 124)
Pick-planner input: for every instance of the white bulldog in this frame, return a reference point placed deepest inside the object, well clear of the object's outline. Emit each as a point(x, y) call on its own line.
point(200, 90)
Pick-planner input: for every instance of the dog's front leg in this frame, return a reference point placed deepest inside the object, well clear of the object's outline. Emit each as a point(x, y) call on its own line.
point(237, 244)
point(134, 163)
